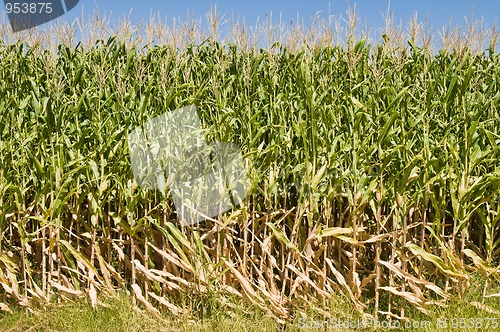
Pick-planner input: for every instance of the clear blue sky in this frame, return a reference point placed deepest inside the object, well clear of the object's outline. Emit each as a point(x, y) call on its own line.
point(439, 11)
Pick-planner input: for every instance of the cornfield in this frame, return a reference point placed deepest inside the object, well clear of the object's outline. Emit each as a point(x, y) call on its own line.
point(374, 170)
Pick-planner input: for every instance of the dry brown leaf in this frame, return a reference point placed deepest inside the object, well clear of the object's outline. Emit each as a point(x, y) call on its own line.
point(410, 278)
point(307, 280)
point(103, 268)
point(147, 273)
point(485, 308)
point(93, 295)
point(408, 296)
point(340, 278)
point(140, 297)
point(173, 308)
point(117, 277)
point(65, 289)
point(5, 307)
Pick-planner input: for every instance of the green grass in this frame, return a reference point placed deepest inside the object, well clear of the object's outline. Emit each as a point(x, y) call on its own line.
point(118, 313)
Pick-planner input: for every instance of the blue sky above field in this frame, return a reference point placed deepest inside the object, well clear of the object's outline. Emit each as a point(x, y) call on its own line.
point(439, 12)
